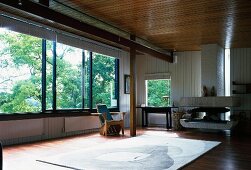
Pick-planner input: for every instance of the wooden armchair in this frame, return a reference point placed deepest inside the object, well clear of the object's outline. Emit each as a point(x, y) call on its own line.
point(108, 125)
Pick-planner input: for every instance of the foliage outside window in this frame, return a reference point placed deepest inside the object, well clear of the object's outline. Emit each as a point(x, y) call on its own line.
point(86, 79)
point(103, 80)
point(49, 76)
point(20, 67)
point(68, 84)
point(21, 75)
point(158, 92)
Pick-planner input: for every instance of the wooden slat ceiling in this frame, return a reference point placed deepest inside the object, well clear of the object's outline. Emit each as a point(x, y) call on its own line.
point(181, 25)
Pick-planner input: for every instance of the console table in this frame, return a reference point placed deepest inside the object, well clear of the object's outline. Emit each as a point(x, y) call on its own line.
point(161, 110)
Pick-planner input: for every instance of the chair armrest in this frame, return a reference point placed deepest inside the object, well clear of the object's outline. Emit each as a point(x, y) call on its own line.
point(115, 113)
point(112, 113)
point(122, 114)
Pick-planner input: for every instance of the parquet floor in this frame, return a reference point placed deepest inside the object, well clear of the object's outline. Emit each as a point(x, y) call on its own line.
point(233, 153)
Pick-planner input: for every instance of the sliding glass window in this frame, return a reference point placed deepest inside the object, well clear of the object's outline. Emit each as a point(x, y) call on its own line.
point(41, 75)
point(86, 74)
point(20, 67)
point(83, 78)
point(49, 74)
point(68, 83)
point(103, 88)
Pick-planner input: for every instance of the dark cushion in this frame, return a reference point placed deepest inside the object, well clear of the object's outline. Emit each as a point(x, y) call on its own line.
point(102, 108)
point(101, 119)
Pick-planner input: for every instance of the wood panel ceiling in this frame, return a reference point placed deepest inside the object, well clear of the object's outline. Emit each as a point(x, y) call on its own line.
point(181, 25)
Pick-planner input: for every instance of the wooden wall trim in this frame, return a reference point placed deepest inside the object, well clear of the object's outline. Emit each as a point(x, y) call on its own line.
point(132, 90)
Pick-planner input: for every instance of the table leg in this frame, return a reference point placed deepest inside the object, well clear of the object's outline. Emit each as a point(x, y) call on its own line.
point(146, 119)
point(169, 113)
point(167, 123)
point(170, 125)
point(143, 118)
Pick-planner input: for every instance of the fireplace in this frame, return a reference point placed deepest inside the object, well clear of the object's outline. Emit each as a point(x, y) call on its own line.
point(212, 107)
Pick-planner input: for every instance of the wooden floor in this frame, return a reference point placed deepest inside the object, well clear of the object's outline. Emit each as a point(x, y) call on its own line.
point(234, 152)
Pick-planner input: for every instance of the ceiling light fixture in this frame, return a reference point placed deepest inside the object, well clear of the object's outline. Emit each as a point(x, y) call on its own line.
point(20, 2)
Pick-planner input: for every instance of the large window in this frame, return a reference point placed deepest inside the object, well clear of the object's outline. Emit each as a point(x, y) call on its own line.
point(39, 75)
point(68, 83)
point(86, 78)
point(103, 73)
point(20, 68)
point(49, 74)
point(158, 92)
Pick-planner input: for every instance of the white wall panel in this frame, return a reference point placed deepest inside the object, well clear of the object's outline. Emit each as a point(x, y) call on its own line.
point(21, 128)
point(124, 98)
point(55, 127)
point(240, 61)
point(81, 123)
point(185, 76)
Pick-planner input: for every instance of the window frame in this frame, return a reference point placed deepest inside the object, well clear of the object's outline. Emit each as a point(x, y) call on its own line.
point(90, 109)
point(156, 79)
point(54, 112)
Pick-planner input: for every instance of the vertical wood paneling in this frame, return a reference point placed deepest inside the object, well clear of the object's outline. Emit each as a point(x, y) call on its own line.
point(189, 75)
point(81, 123)
point(19, 128)
point(124, 98)
point(56, 126)
point(240, 61)
point(185, 75)
point(197, 69)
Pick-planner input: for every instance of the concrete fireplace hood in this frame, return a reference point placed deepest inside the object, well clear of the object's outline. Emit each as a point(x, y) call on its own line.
point(218, 101)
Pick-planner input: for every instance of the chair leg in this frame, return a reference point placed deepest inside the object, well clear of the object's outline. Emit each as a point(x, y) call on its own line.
point(122, 130)
point(114, 129)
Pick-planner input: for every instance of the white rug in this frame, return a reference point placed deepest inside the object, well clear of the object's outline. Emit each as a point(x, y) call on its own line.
point(152, 151)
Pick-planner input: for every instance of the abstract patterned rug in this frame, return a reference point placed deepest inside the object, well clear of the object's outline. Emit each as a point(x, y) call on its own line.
point(153, 151)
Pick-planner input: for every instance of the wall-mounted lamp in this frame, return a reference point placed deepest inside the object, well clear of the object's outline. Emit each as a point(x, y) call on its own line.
point(174, 55)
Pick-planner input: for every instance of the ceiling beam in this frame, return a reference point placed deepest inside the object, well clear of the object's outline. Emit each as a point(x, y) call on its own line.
point(49, 14)
point(44, 2)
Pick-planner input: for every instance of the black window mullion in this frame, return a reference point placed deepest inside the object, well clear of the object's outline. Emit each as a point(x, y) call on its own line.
point(90, 82)
point(117, 81)
point(83, 79)
point(43, 100)
point(54, 73)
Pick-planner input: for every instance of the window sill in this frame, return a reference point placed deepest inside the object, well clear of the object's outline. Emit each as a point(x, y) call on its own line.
point(50, 113)
point(6, 117)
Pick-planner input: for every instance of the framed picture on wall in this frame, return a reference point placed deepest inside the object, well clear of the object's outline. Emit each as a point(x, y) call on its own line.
point(127, 84)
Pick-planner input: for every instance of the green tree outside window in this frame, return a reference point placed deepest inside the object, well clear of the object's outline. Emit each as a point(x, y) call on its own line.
point(158, 92)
